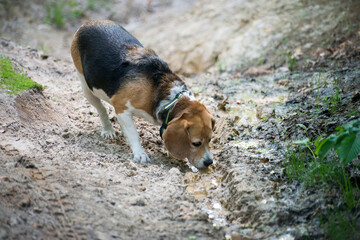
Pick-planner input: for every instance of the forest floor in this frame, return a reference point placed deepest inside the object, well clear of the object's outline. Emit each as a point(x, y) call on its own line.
point(59, 179)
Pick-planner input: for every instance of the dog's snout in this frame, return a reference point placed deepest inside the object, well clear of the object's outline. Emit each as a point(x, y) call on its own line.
point(208, 162)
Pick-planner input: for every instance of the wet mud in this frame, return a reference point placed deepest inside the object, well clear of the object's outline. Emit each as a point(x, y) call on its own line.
point(60, 180)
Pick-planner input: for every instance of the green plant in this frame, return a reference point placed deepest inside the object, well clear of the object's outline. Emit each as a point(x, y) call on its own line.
point(74, 12)
point(347, 25)
point(221, 67)
point(339, 226)
point(346, 142)
point(42, 48)
point(336, 85)
point(59, 12)
point(306, 164)
point(320, 81)
point(349, 191)
point(13, 81)
point(296, 164)
point(326, 42)
point(306, 142)
point(301, 165)
point(334, 99)
point(91, 4)
point(291, 60)
point(55, 13)
point(261, 61)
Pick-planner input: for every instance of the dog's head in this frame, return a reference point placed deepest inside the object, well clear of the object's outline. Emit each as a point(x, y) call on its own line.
point(188, 135)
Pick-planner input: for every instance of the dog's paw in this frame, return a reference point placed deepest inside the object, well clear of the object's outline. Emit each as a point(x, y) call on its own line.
point(141, 157)
point(108, 133)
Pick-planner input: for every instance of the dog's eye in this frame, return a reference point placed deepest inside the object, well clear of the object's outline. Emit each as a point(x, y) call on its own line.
point(196, 144)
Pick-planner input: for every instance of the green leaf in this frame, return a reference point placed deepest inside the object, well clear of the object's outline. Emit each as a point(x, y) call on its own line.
point(352, 124)
point(325, 146)
point(339, 128)
point(302, 126)
point(339, 138)
point(349, 148)
point(354, 130)
point(317, 140)
point(302, 142)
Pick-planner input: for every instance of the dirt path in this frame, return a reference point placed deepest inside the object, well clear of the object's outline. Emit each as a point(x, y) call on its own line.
point(61, 180)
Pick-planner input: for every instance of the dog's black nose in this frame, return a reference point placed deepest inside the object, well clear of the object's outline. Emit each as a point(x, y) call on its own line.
point(208, 162)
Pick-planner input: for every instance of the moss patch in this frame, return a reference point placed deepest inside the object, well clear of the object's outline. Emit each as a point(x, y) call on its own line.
point(14, 82)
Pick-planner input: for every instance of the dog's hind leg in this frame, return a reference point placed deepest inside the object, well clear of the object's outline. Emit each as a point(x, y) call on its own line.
point(107, 129)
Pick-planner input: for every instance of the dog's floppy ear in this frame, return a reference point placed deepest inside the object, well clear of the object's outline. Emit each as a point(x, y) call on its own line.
point(176, 138)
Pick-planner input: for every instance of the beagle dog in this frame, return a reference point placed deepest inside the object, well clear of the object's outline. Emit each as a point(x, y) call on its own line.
point(114, 67)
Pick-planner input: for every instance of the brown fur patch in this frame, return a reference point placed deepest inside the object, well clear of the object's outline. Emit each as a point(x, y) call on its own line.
point(75, 54)
point(137, 53)
point(98, 23)
point(139, 92)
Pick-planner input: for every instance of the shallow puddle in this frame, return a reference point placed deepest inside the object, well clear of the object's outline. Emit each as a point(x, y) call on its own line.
point(201, 184)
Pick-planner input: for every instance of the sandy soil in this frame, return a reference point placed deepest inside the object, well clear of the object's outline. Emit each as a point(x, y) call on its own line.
point(61, 180)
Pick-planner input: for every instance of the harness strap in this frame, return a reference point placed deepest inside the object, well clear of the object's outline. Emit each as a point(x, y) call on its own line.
point(168, 108)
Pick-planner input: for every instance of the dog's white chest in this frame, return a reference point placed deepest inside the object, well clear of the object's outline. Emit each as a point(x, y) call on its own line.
point(140, 113)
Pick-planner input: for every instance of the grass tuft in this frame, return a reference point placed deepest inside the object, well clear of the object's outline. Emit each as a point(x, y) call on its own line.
point(316, 162)
point(302, 166)
point(62, 11)
point(339, 225)
point(14, 82)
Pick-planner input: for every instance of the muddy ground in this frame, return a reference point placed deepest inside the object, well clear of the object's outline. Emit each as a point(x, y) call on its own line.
point(60, 180)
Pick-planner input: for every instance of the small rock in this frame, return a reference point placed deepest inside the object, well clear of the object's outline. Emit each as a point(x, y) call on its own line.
point(238, 236)
point(58, 213)
point(202, 216)
point(174, 171)
point(25, 163)
point(283, 82)
point(13, 221)
point(25, 203)
point(66, 135)
point(4, 179)
point(130, 165)
point(131, 173)
point(50, 141)
point(37, 209)
point(139, 202)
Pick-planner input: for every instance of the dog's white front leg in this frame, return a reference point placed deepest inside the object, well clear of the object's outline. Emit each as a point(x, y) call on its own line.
point(131, 134)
